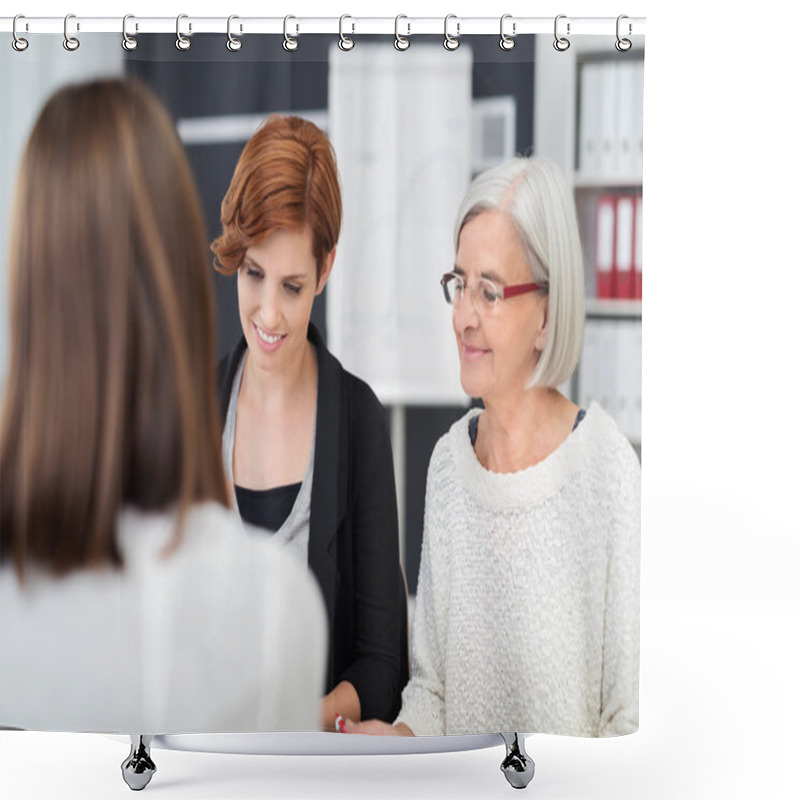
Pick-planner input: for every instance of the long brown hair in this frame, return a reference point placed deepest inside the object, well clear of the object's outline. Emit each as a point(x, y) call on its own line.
point(110, 396)
point(286, 177)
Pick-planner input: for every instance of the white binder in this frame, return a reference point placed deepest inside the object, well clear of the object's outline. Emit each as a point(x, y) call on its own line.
point(627, 135)
point(609, 116)
point(589, 120)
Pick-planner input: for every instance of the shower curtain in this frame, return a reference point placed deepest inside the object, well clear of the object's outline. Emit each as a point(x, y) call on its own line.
point(411, 128)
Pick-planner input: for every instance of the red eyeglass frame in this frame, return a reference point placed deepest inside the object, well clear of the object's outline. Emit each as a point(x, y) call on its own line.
point(504, 292)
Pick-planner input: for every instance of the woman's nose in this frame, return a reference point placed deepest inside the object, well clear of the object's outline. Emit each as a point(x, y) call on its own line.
point(465, 312)
point(270, 311)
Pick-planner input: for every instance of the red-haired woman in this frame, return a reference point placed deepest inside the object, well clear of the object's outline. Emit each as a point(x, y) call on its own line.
point(305, 442)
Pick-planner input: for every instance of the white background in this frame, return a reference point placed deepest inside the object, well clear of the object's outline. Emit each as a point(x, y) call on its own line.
point(720, 539)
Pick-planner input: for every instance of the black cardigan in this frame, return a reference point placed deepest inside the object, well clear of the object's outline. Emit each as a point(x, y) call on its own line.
point(353, 543)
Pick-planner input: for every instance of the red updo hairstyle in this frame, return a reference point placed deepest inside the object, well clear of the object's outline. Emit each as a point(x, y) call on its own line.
point(286, 178)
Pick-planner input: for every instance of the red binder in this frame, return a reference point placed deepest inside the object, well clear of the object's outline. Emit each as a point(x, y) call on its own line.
point(637, 249)
point(605, 232)
point(623, 249)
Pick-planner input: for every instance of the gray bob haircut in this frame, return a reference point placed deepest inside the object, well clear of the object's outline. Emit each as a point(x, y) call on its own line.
point(535, 196)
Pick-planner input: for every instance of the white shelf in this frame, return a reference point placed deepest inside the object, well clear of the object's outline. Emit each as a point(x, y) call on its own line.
point(606, 182)
point(616, 308)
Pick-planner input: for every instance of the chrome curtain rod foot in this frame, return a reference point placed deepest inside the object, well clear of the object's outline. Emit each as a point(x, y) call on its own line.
point(138, 768)
point(517, 766)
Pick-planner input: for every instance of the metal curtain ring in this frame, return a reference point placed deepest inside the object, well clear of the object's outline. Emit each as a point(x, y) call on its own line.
point(561, 43)
point(400, 42)
point(345, 42)
point(70, 42)
point(182, 43)
point(233, 44)
point(289, 43)
point(128, 42)
point(18, 43)
point(451, 42)
point(507, 42)
point(623, 45)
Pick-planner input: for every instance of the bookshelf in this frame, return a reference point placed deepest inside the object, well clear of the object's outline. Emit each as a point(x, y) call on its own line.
point(590, 95)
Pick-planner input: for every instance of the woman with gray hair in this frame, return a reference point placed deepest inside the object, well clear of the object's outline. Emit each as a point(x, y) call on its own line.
point(527, 613)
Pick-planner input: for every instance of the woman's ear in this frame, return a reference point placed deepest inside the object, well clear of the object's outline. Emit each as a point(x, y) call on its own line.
point(541, 336)
point(325, 272)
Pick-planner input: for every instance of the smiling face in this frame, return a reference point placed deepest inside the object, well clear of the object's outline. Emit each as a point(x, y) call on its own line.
point(277, 283)
point(497, 351)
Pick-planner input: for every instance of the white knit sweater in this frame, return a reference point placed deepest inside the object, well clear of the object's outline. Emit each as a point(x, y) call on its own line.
point(527, 611)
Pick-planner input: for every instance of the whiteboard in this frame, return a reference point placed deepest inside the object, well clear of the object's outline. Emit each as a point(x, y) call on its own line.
point(401, 125)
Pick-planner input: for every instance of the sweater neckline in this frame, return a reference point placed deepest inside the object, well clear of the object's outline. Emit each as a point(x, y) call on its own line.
point(532, 485)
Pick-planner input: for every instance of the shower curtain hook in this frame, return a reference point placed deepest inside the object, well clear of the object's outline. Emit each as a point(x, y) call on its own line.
point(70, 42)
point(289, 44)
point(400, 42)
point(623, 45)
point(128, 42)
point(18, 43)
point(233, 44)
point(182, 43)
point(561, 43)
point(507, 42)
point(451, 42)
point(345, 42)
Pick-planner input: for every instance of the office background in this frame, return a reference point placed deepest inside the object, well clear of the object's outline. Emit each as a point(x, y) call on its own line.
point(410, 130)
point(449, 116)
point(720, 607)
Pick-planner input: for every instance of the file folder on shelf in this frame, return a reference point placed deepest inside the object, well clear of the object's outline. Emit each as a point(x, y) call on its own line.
point(605, 245)
point(626, 134)
point(638, 117)
point(623, 249)
point(637, 249)
point(610, 371)
point(589, 120)
point(609, 119)
point(629, 378)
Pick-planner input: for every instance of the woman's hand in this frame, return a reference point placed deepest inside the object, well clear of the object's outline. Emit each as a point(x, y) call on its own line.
point(374, 727)
point(342, 700)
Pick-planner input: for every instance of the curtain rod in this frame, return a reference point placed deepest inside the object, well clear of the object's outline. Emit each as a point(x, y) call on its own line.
point(297, 26)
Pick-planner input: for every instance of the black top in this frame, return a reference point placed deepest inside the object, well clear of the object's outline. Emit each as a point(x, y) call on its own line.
point(473, 424)
point(267, 508)
point(353, 549)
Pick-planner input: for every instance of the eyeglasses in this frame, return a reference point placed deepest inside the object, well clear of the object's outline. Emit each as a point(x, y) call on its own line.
point(485, 293)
